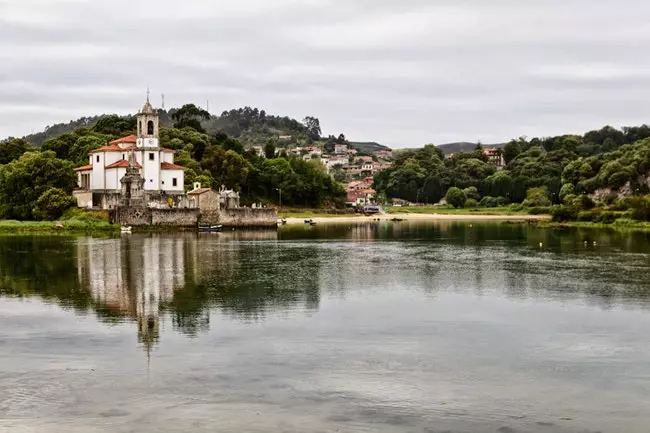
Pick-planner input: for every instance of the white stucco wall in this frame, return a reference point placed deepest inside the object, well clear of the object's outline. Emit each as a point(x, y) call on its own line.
point(148, 142)
point(167, 157)
point(167, 180)
point(98, 171)
point(113, 177)
point(151, 171)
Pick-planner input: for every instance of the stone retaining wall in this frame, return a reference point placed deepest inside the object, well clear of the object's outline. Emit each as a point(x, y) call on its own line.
point(244, 217)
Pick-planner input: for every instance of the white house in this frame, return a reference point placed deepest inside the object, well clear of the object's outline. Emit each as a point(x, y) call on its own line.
point(107, 165)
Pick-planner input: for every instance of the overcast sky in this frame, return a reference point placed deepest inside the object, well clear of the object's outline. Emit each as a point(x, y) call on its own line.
point(403, 73)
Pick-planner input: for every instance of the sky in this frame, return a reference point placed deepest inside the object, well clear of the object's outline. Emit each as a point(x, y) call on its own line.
point(403, 73)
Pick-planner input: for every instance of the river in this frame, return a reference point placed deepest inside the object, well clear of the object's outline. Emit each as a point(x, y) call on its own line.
point(404, 327)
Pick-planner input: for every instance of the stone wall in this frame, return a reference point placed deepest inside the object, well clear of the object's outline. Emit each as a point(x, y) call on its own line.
point(175, 217)
point(247, 217)
point(142, 216)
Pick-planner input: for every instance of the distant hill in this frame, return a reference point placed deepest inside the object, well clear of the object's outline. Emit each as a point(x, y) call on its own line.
point(368, 147)
point(464, 146)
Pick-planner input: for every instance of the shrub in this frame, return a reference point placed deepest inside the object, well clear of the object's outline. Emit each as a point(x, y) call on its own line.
point(539, 210)
point(536, 197)
point(639, 207)
point(52, 203)
point(583, 202)
point(502, 201)
point(488, 201)
point(564, 213)
point(471, 203)
point(456, 197)
point(585, 215)
point(516, 207)
point(605, 217)
point(472, 192)
point(567, 190)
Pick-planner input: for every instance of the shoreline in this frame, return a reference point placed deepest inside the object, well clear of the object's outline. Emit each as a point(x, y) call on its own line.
point(409, 217)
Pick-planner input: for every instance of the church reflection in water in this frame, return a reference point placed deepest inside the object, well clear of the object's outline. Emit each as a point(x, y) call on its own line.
point(134, 279)
point(181, 277)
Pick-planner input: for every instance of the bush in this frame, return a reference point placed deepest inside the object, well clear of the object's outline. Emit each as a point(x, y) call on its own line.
point(536, 197)
point(639, 207)
point(471, 203)
point(583, 202)
point(472, 192)
point(52, 203)
point(540, 210)
point(502, 201)
point(585, 216)
point(488, 201)
point(456, 197)
point(564, 213)
point(567, 190)
point(516, 207)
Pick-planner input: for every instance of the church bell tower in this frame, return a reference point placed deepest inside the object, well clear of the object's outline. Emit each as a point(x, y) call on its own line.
point(148, 125)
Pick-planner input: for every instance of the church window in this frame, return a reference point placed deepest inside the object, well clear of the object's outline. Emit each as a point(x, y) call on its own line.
point(150, 127)
point(174, 182)
point(97, 158)
point(123, 156)
point(151, 156)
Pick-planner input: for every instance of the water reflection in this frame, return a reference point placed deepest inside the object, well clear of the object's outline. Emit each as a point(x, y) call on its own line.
point(146, 279)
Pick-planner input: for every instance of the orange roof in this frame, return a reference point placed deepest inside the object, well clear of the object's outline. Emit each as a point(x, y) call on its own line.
point(84, 168)
point(112, 148)
point(170, 166)
point(164, 149)
point(123, 163)
point(128, 139)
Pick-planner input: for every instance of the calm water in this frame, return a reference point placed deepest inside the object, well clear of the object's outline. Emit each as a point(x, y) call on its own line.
point(380, 328)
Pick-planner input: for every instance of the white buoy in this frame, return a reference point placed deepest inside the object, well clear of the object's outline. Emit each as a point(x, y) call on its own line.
point(541, 245)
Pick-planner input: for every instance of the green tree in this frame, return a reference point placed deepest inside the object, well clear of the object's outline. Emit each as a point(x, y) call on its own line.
point(269, 150)
point(189, 115)
point(313, 127)
point(24, 180)
point(52, 203)
point(537, 197)
point(456, 197)
point(12, 149)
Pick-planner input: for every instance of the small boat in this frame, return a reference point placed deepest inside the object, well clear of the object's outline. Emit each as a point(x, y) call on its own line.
point(125, 229)
point(309, 221)
point(213, 228)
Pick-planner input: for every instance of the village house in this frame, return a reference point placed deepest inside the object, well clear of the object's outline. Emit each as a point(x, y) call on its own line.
point(340, 149)
point(384, 154)
point(361, 197)
point(495, 156)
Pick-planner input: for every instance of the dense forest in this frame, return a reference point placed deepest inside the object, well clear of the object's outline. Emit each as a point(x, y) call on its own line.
point(589, 175)
point(36, 182)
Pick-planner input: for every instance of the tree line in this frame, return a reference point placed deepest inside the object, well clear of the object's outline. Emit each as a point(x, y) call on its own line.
point(579, 172)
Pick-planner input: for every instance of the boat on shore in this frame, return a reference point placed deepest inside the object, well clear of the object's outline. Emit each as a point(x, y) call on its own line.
point(211, 228)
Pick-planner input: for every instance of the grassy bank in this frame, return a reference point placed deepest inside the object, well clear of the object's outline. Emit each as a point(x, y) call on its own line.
point(73, 221)
point(449, 210)
point(622, 224)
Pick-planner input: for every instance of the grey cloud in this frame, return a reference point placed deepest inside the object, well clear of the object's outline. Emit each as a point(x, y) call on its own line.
point(402, 73)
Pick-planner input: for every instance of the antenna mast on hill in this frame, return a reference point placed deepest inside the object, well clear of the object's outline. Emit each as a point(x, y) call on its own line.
point(163, 101)
point(207, 106)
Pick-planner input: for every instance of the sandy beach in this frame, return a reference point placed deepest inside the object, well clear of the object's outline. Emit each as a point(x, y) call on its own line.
point(415, 217)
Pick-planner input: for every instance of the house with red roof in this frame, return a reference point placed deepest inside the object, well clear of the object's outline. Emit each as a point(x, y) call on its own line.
point(107, 165)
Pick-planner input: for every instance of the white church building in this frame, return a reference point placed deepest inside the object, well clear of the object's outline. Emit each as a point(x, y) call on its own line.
point(108, 164)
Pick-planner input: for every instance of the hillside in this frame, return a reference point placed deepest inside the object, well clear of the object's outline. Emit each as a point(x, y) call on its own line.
point(368, 147)
point(464, 146)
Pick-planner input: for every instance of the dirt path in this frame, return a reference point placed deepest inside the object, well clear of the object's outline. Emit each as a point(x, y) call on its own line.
point(417, 217)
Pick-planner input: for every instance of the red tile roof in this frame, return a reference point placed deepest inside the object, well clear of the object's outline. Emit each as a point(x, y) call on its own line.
point(123, 163)
point(112, 148)
point(164, 149)
point(128, 139)
point(84, 168)
point(170, 166)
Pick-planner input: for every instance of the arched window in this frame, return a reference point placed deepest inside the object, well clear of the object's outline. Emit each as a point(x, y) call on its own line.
point(150, 128)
